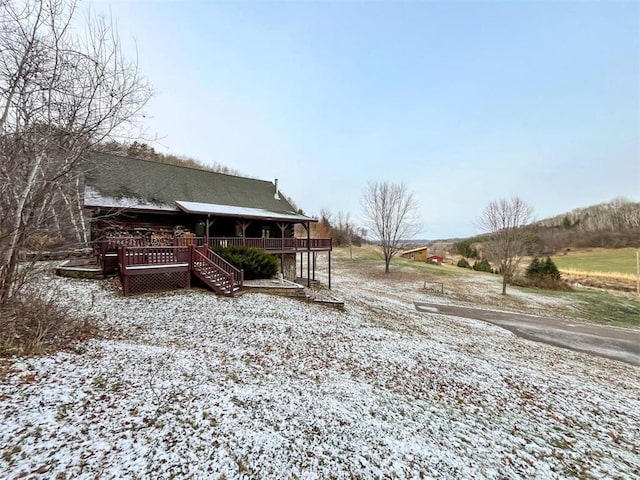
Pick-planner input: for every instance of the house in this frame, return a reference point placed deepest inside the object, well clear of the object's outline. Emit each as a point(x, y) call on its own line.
point(155, 223)
point(418, 254)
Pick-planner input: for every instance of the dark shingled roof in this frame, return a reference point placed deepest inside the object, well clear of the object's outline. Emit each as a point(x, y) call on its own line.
point(117, 177)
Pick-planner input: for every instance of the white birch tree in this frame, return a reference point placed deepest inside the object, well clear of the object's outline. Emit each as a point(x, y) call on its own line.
point(60, 95)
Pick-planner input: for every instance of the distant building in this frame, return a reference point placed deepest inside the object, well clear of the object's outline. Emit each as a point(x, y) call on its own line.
point(417, 254)
point(436, 259)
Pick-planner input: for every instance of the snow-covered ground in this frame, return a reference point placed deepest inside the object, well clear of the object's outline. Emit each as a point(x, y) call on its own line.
point(195, 386)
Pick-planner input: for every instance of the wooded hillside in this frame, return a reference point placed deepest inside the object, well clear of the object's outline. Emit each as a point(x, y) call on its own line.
point(613, 224)
point(610, 224)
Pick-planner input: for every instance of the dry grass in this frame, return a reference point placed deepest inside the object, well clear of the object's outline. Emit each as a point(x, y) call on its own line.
point(32, 324)
point(608, 281)
point(615, 276)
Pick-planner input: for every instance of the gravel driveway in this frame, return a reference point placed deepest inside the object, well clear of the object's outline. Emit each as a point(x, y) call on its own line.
point(611, 342)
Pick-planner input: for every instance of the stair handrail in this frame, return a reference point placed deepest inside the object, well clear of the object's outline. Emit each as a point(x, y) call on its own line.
point(229, 275)
point(238, 274)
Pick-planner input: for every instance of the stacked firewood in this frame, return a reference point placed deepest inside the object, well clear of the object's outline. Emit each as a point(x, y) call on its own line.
point(145, 236)
point(161, 238)
point(120, 236)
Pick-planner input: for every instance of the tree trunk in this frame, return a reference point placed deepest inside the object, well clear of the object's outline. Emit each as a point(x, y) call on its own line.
point(504, 284)
point(10, 255)
point(71, 213)
point(83, 220)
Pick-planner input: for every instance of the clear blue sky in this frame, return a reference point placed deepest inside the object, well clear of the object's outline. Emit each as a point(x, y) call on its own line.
point(464, 102)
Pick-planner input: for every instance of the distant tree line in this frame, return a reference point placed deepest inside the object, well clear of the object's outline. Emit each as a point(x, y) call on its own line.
point(615, 215)
point(341, 228)
point(144, 151)
point(611, 224)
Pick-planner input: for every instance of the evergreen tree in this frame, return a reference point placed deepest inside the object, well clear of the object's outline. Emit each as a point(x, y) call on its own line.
point(462, 263)
point(534, 269)
point(542, 270)
point(482, 266)
point(464, 248)
point(550, 270)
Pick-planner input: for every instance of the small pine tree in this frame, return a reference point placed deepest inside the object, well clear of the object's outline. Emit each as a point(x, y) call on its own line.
point(544, 274)
point(462, 263)
point(534, 269)
point(550, 270)
point(482, 266)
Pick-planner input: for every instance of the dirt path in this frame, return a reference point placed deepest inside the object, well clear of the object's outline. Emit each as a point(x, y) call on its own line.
point(611, 342)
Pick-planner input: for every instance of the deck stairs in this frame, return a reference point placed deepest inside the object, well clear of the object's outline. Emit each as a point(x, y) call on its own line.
point(218, 274)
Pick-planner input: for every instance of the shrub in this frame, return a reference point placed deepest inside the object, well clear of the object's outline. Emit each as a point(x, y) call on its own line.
point(482, 266)
point(542, 269)
point(31, 323)
point(462, 263)
point(255, 262)
point(543, 274)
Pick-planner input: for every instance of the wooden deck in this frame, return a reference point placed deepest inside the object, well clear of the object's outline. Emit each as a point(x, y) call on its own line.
point(153, 269)
point(145, 268)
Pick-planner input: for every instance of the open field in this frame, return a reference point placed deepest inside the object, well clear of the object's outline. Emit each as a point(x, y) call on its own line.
point(611, 269)
point(470, 288)
point(192, 385)
point(610, 261)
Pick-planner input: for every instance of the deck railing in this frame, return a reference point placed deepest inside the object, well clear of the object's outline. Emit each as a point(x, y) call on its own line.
point(186, 241)
point(273, 244)
point(150, 256)
point(108, 245)
point(101, 247)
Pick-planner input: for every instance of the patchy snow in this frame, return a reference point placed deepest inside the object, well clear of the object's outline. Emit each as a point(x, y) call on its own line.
point(235, 211)
point(93, 198)
point(197, 386)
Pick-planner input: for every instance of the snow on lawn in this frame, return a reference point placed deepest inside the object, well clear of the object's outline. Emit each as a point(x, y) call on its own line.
point(197, 386)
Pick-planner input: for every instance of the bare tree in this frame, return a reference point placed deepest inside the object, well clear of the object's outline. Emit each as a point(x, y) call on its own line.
point(60, 95)
point(344, 230)
point(505, 220)
point(390, 215)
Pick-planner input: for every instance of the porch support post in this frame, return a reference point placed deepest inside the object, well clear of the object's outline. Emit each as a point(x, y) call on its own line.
point(243, 226)
point(315, 254)
point(308, 254)
point(210, 223)
point(301, 264)
point(329, 269)
point(283, 228)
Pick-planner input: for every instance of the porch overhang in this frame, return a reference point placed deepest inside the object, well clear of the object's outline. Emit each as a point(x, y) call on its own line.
point(242, 212)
